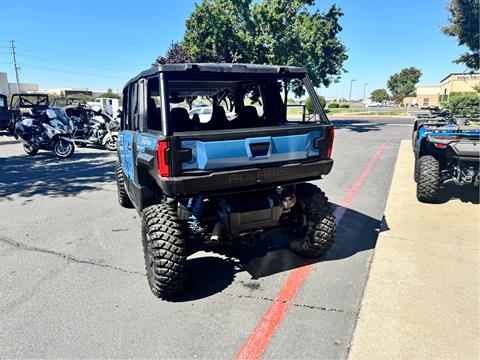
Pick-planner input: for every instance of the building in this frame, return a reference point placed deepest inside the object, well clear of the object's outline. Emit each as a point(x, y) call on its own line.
point(428, 96)
point(459, 82)
point(8, 88)
point(453, 83)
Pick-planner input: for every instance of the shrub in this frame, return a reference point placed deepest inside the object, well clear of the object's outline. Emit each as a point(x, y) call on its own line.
point(463, 104)
point(344, 106)
point(333, 105)
point(309, 104)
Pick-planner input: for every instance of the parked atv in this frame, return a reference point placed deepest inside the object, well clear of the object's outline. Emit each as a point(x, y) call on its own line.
point(45, 132)
point(445, 149)
point(223, 181)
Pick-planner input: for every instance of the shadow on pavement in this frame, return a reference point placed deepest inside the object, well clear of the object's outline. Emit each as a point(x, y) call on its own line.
point(43, 174)
point(465, 193)
point(212, 274)
point(359, 126)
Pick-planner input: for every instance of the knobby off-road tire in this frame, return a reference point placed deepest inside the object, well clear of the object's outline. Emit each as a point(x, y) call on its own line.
point(310, 227)
point(123, 198)
point(415, 170)
point(428, 179)
point(164, 248)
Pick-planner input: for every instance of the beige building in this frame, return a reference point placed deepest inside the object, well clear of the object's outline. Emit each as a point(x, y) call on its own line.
point(459, 82)
point(456, 82)
point(428, 96)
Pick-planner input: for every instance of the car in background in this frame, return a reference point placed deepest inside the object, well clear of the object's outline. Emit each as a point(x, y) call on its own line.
point(5, 113)
point(205, 114)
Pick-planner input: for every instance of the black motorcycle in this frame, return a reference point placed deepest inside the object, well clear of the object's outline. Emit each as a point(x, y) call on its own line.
point(45, 132)
point(95, 127)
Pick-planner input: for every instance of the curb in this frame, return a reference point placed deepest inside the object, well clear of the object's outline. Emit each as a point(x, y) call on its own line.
point(422, 296)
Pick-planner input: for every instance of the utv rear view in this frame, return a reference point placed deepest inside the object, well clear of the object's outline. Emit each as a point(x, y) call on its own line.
point(212, 154)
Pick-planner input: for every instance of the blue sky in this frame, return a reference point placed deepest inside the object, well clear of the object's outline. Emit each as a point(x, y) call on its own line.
point(102, 43)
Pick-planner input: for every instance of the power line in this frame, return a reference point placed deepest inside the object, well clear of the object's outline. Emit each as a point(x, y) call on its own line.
point(71, 72)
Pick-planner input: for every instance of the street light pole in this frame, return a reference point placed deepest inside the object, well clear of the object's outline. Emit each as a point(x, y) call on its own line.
point(350, 96)
point(364, 88)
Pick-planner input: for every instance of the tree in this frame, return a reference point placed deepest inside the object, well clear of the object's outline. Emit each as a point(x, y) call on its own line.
point(379, 95)
point(110, 94)
point(309, 104)
point(402, 84)
point(464, 25)
point(284, 32)
point(176, 53)
point(87, 98)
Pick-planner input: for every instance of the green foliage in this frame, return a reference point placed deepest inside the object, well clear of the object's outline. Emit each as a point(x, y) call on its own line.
point(464, 25)
point(284, 32)
point(379, 95)
point(463, 104)
point(309, 104)
point(83, 96)
point(110, 94)
point(176, 53)
point(402, 84)
point(333, 105)
point(344, 106)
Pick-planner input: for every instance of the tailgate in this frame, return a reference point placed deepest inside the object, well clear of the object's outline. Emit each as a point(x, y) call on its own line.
point(249, 148)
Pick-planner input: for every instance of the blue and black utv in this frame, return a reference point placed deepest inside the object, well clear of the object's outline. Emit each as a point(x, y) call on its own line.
point(446, 148)
point(227, 178)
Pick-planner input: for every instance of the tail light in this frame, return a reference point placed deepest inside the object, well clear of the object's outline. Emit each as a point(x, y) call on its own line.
point(162, 158)
point(440, 146)
point(330, 148)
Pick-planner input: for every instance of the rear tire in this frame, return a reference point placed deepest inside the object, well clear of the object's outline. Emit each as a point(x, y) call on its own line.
point(164, 249)
point(30, 150)
point(123, 198)
point(428, 179)
point(310, 227)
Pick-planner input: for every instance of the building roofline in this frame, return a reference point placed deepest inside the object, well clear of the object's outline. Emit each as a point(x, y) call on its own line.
point(446, 77)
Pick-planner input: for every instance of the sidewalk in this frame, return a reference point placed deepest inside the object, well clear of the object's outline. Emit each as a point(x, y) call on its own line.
point(422, 296)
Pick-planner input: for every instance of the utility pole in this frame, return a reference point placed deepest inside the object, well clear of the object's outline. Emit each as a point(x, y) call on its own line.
point(364, 88)
point(15, 64)
point(350, 96)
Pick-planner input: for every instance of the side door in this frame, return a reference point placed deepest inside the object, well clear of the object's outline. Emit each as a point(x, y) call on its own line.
point(136, 116)
point(126, 138)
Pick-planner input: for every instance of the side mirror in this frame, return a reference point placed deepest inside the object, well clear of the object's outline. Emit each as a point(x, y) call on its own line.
point(50, 114)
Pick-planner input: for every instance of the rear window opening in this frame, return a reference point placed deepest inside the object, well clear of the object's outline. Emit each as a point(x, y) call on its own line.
point(206, 105)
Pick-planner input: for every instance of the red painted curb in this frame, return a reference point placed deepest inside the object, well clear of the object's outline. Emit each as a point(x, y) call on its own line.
point(260, 337)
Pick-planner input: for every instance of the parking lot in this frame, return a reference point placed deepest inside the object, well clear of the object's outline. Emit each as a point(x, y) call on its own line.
point(73, 278)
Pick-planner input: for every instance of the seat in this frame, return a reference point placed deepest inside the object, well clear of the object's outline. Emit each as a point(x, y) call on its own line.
point(219, 119)
point(154, 120)
point(196, 121)
point(180, 119)
point(248, 117)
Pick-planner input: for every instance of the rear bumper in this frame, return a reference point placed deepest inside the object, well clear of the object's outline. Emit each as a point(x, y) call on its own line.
point(245, 179)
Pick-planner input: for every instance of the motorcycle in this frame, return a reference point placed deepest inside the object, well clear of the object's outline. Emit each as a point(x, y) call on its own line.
point(98, 129)
point(45, 132)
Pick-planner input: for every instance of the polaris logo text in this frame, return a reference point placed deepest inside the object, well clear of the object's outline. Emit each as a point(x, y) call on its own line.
point(258, 176)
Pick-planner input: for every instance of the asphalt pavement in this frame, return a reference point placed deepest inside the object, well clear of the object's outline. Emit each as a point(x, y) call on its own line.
point(72, 272)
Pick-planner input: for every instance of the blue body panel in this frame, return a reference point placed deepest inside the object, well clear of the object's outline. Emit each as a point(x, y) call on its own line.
point(446, 131)
point(236, 153)
point(146, 142)
point(126, 154)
